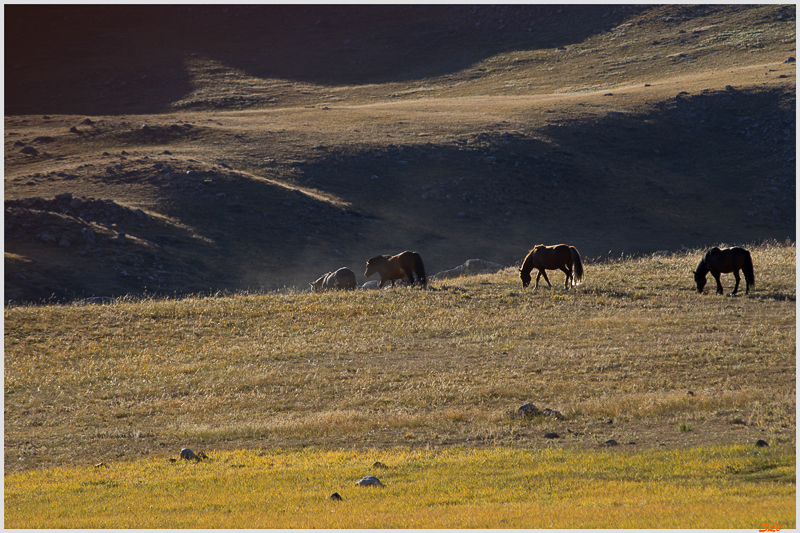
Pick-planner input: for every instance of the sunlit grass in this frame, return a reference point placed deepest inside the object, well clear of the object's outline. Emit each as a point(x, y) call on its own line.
point(715, 487)
point(635, 343)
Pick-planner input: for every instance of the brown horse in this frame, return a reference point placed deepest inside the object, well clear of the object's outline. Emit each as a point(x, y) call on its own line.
point(560, 256)
point(396, 267)
point(725, 261)
point(344, 279)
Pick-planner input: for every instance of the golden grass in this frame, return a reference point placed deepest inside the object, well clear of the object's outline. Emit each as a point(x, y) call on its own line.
point(709, 487)
point(635, 343)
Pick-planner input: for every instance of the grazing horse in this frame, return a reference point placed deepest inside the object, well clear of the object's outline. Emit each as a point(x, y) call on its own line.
point(725, 261)
point(344, 278)
point(393, 267)
point(560, 256)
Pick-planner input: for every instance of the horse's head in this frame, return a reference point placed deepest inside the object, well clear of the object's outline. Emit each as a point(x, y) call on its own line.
point(700, 279)
point(371, 267)
point(525, 277)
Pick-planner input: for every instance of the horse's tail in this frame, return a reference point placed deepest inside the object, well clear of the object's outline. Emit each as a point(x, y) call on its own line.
point(419, 268)
point(577, 275)
point(747, 270)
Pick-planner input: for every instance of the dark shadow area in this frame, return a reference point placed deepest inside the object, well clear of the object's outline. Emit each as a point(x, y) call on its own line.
point(105, 60)
point(696, 171)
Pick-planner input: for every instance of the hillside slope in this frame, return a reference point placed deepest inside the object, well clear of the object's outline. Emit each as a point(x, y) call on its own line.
point(209, 148)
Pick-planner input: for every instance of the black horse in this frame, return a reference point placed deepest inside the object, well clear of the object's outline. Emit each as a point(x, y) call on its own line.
point(725, 261)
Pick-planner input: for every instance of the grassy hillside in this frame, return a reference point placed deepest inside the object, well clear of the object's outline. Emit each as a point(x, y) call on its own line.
point(255, 147)
point(634, 354)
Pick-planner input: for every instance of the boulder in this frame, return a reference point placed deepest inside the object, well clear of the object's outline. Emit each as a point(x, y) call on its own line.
point(471, 267)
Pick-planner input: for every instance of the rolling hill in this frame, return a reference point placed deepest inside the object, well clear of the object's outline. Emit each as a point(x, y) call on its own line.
point(184, 149)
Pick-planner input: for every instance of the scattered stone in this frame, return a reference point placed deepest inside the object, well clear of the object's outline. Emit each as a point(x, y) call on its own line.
point(63, 242)
point(552, 412)
point(47, 237)
point(64, 196)
point(551, 435)
point(470, 268)
point(76, 203)
point(29, 150)
point(43, 139)
point(610, 442)
point(528, 410)
point(378, 464)
point(369, 481)
point(87, 121)
point(762, 443)
point(73, 129)
point(189, 455)
point(100, 465)
point(790, 60)
point(335, 497)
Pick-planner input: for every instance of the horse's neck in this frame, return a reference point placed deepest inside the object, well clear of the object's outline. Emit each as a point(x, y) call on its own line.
point(527, 265)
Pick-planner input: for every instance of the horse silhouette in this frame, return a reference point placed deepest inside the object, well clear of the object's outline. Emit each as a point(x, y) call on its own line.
point(394, 267)
point(725, 261)
point(344, 278)
point(560, 256)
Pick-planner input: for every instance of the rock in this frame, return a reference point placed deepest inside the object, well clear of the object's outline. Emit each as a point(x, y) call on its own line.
point(335, 497)
point(189, 455)
point(64, 196)
point(369, 481)
point(76, 203)
point(87, 121)
point(63, 242)
point(43, 139)
point(120, 238)
point(790, 60)
point(528, 410)
point(551, 435)
point(610, 442)
point(762, 443)
point(470, 267)
point(552, 412)
point(47, 237)
point(141, 214)
point(371, 285)
point(73, 129)
point(378, 464)
point(29, 150)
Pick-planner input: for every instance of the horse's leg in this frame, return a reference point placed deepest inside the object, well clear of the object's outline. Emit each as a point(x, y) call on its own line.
point(719, 284)
point(383, 282)
point(569, 276)
point(543, 273)
point(539, 275)
point(736, 275)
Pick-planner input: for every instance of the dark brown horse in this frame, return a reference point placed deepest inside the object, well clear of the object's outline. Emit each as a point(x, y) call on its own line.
point(560, 256)
point(393, 267)
point(725, 261)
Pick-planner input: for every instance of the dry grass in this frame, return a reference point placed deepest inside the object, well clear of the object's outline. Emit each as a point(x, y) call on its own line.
point(635, 344)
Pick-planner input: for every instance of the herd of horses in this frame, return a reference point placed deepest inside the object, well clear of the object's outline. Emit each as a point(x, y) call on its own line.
point(542, 258)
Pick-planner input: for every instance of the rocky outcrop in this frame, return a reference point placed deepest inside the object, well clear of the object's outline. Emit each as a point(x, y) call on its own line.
point(470, 268)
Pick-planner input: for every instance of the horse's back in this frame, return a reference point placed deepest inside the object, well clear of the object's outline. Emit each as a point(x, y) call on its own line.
point(344, 278)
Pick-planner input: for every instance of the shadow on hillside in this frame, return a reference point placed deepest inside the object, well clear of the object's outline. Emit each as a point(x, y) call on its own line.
point(99, 60)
